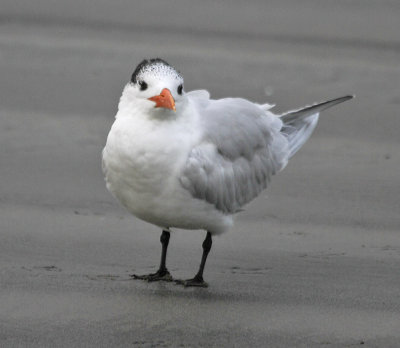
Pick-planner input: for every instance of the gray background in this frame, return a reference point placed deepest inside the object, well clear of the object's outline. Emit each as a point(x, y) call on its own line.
point(314, 261)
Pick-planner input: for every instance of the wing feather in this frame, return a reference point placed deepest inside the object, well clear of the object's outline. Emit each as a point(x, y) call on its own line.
point(240, 149)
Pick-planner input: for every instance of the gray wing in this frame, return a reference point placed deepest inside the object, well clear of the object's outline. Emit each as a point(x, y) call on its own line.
point(240, 149)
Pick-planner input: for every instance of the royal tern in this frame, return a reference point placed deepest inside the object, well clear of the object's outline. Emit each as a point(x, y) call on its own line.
point(179, 159)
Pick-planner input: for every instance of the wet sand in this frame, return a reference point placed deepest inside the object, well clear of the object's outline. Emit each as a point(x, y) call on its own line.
point(314, 261)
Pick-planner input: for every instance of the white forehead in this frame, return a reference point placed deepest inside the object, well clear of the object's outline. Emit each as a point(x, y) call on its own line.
point(158, 71)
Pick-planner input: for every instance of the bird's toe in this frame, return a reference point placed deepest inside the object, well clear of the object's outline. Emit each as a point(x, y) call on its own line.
point(194, 282)
point(153, 277)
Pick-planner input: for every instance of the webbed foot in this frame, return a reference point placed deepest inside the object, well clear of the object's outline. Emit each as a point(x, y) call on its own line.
point(195, 282)
point(160, 275)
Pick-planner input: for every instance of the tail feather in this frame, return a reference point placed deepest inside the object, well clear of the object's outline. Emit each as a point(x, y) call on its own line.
point(299, 124)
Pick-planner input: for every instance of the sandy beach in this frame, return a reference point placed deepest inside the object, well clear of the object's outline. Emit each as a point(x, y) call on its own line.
point(313, 262)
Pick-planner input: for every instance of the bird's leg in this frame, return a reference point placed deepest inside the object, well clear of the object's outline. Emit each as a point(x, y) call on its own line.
point(198, 278)
point(162, 273)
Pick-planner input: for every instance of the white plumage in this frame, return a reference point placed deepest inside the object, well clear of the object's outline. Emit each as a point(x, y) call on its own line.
point(195, 167)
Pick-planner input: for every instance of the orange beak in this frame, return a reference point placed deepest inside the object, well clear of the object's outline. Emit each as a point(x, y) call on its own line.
point(164, 100)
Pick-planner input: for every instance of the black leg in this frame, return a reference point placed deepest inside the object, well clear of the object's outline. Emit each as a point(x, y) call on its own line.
point(162, 273)
point(198, 278)
point(164, 239)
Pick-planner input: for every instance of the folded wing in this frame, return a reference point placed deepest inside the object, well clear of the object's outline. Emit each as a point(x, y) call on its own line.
point(241, 148)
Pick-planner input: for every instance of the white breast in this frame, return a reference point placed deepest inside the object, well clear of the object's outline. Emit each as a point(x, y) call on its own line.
point(139, 160)
point(142, 163)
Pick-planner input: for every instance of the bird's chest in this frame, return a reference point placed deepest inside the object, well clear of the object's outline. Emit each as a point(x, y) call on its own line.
point(142, 160)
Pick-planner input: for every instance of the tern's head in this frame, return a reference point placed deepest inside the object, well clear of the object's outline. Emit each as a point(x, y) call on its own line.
point(156, 85)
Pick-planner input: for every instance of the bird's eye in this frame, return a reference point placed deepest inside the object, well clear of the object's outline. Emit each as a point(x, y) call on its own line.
point(179, 90)
point(143, 85)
